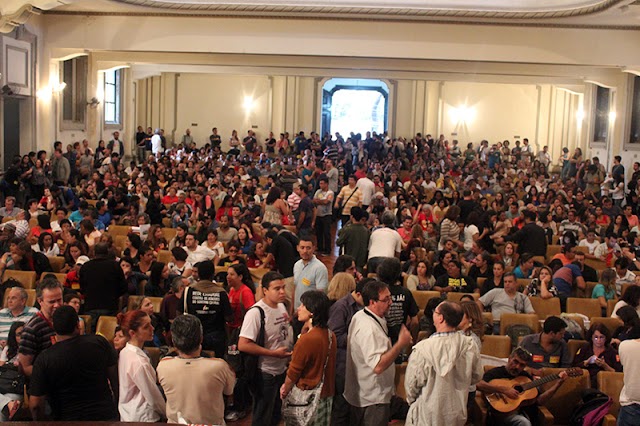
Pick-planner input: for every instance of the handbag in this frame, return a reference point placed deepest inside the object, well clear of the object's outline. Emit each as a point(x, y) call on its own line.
point(234, 357)
point(11, 380)
point(300, 406)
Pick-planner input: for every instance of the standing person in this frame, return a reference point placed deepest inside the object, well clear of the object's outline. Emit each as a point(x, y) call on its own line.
point(38, 333)
point(207, 300)
point(156, 143)
point(309, 273)
point(266, 333)
point(102, 282)
point(189, 374)
point(384, 242)
point(349, 197)
point(340, 315)
point(314, 356)
point(531, 238)
point(440, 371)
point(403, 309)
point(323, 200)
point(116, 145)
point(353, 238)
point(370, 372)
point(140, 399)
point(630, 396)
point(306, 213)
point(78, 375)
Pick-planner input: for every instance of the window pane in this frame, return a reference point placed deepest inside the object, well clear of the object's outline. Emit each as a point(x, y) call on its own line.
point(109, 93)
point(634, 136)
point(109, 113)
point(601, 114)
point(358, 111)
point(110, 77)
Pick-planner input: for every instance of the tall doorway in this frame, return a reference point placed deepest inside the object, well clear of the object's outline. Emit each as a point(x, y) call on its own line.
point(354, 105)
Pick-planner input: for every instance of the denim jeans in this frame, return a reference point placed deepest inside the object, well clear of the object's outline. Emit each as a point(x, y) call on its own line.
point(629, 415)
point(267, 406)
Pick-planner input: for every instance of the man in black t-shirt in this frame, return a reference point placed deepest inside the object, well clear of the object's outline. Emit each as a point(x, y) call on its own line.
point(78, 375)
point(518, 361)
point(404, 309)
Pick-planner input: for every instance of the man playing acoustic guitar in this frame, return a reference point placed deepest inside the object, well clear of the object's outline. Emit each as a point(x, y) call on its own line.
point(526, 413)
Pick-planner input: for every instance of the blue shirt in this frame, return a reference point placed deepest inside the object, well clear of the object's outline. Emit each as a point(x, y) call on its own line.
point(312, 276)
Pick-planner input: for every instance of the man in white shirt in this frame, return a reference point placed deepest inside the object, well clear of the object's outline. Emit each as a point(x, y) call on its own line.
point(630, 395)
point(188, 374)
point(623, 274)
point(271, 315)
point(370, 372)
point(368, 189)
point(156, 143)
point(384, 242)
point(196, 253)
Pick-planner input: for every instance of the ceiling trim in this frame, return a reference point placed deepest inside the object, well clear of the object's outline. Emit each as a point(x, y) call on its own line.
point(562, 11)
point(353, 18)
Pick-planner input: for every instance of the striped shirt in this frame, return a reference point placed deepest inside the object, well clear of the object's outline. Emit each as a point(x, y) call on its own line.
point(37, 336)
point(7, 319)
point(348, 201)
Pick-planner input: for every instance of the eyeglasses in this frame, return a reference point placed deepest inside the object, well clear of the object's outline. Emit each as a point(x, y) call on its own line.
point(385, 300)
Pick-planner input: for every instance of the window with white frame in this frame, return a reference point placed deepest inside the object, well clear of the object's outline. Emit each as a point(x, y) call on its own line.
point(112, 96)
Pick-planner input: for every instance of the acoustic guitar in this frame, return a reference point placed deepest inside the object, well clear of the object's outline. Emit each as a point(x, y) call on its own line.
point(527, 388)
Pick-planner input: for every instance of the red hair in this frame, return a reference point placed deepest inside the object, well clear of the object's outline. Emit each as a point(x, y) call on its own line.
point(132, 320)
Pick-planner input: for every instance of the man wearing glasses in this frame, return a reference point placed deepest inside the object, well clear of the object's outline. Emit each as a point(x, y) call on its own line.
point(440, 371)
point(518, 361)
point(370, 372)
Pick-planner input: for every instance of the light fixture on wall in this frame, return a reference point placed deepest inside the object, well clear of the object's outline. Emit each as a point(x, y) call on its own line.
point(462, 114)
point(612, 116)
point(93, 102)
point(248, 104)
point(46, 92)
point(580, 115)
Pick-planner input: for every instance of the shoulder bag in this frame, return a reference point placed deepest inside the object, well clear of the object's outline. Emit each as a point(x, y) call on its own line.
point(300, 406)
point(338, 211)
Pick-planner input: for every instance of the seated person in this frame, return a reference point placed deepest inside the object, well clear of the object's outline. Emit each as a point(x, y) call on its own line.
point(518, 361)
point(454, 281)
point(548, 349)
point(526, 267)
point(507, 300)
point(567, 278)
point(542, 285)
point(597, 354)
point(482, 267)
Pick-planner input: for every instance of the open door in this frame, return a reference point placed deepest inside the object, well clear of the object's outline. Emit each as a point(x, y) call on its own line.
point(327, 96)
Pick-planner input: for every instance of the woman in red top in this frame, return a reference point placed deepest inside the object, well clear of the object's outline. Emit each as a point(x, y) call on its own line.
point(226, 208)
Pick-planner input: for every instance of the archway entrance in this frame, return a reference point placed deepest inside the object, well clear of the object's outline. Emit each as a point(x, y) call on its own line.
point(354, 105)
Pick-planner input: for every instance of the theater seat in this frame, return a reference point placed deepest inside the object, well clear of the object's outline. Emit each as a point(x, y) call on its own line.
point(56, 262)
point(164, 256)
point(611, 383)
point(115, 230)
point(568, 395)
point(587, 307)
point(31, 297)
point(612, 324)
point(455, 297)
point(107, 327)
point(497, 346)
point(574, 345)
point(26, 278)
point(528, 319)
point(545, 307)
point(87, 323)
point(422, 297)
point(401, 369)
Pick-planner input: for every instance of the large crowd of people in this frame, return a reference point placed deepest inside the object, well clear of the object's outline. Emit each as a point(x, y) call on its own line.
point(258, 312)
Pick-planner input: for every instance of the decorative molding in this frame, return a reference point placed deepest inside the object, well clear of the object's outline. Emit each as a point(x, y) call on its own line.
point(11, 21)
point(360, 17)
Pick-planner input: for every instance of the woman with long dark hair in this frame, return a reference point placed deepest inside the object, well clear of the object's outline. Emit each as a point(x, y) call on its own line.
point(598, 354)
point(10, 402)
point(275, 209)
point(158, 285)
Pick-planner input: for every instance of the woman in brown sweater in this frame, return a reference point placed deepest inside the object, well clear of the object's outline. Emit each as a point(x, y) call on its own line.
point(310, 354)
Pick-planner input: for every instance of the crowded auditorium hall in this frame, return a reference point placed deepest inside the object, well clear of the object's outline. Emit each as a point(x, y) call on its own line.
point(364, 213)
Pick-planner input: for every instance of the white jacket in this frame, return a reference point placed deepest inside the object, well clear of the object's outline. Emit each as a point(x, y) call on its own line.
point(440, 371)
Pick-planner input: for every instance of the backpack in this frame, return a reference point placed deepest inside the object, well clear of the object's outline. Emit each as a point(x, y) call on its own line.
point(590, 412)
point(249, 361)
point(515, 331)
point(573, 330)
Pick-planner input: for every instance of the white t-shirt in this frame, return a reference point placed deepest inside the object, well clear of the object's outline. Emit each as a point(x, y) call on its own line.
point(630, 359)
point(200, 254)
point(278, 333)
point(368, 189)
point(591, 246)
point(469, 232)
point(156, 144)
point(384, 242)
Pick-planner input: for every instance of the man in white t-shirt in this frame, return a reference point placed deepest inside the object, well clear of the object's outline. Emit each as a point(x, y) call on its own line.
point(273, 353)
point(156, 142)
point(630, 395)
point(590, 242)
point(368, 189)
point(196, 253)
point(384, 242)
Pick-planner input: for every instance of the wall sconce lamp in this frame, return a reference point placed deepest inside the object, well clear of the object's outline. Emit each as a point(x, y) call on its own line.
point(248, 104)
point(463, 114)
point(94, 102)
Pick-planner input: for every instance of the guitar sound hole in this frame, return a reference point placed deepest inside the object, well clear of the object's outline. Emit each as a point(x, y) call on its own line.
point(518, 388)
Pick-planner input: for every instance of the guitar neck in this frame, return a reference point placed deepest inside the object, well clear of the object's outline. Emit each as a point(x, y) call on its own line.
point(541, 381)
